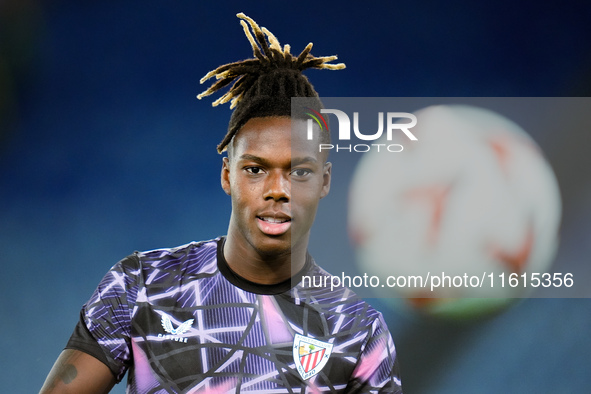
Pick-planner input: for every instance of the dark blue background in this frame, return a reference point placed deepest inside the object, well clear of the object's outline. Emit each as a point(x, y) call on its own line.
point(106, 150)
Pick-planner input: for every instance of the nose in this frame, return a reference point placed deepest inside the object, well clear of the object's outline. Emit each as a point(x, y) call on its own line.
point(277, 187)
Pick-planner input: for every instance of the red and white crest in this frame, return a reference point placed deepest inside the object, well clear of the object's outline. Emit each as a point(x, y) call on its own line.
point(310, 355)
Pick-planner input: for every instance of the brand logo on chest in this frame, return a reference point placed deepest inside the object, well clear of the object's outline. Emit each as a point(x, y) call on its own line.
point(175, 334)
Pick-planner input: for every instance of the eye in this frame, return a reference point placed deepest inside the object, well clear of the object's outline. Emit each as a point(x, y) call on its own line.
point(300, 172)
point(254, 170)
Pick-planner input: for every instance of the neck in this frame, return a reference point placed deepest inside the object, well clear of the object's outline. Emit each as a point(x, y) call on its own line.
point(263, 268)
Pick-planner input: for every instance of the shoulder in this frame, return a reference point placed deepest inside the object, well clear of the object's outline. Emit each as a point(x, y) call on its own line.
point(193, 249)
point(162, 265)
point(186, 259)
point(317, 286)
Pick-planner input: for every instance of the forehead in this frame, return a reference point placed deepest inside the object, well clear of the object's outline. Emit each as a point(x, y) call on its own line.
point(275, 136)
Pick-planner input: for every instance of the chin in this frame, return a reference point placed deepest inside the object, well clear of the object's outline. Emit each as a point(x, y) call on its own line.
point(276, 247)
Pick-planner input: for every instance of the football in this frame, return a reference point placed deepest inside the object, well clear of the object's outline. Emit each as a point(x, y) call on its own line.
point(457, 222)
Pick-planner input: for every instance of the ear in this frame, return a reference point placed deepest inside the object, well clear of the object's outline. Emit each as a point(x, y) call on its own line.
point(225, 178)
point(326, 179)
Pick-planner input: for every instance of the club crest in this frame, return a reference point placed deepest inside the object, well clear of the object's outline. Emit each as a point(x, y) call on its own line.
point(310, 355)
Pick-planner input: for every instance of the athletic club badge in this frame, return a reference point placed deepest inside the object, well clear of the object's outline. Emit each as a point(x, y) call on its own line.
point(310, 355)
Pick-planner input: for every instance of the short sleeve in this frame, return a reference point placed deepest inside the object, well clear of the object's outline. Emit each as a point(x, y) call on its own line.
point(82, 340)
point(107, 314)
point(377, 369)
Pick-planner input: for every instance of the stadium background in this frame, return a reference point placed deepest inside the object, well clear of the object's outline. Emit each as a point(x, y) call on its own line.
point(105, 150)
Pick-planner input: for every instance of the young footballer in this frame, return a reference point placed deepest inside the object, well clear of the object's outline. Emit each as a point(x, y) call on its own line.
point(231, 314)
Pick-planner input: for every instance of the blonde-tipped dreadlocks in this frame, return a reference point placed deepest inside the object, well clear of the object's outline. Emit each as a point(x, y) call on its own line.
point(264, 85)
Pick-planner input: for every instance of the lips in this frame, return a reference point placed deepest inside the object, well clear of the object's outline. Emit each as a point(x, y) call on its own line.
point(274, 224)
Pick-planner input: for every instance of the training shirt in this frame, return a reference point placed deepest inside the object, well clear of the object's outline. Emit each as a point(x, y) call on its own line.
point(180, 320)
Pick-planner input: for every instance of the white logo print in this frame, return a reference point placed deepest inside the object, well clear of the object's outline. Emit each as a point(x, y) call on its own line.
point(175, 333)
point(310, 355)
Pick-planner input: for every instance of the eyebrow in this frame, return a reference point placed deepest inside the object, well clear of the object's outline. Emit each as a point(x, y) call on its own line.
point(294, 162)
point(303, 160)
point(257, 159)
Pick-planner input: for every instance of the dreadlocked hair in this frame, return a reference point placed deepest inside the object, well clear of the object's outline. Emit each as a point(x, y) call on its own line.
point(263, 86)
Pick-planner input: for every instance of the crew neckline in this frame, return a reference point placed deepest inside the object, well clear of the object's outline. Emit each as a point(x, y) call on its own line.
point(258, 288)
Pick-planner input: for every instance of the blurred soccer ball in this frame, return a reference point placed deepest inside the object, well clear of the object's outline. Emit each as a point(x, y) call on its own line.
point(473, 196)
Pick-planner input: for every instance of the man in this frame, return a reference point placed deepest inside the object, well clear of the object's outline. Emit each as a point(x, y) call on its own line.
point(231, 314)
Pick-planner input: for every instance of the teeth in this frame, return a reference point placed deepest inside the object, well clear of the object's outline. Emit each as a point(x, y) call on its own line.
point(274, 220)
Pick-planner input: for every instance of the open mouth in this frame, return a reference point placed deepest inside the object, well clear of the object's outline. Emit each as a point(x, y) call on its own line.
point(273, 220)
point(271, 225)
